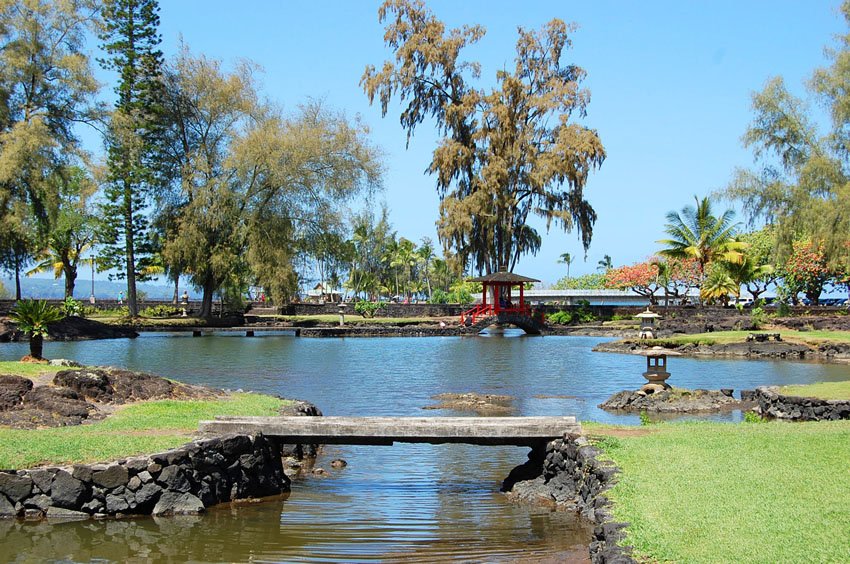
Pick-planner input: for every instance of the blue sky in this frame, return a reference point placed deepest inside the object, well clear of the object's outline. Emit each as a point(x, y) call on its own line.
point(670, 82)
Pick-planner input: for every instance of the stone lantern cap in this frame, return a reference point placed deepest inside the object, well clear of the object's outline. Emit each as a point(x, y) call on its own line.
point(657, 351)
point(646, 315)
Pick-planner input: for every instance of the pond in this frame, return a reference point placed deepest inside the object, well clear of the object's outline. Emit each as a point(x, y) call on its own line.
point(406, 502)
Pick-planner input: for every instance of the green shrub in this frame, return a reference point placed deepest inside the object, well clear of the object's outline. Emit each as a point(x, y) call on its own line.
point(439, 296)
point(783, 309)
point(560, 317)
point(584, 313)
point(368, 309)
point(644, 419)
point(753, 417)
point(73, 308)
point(160, 310)
point(758, 317)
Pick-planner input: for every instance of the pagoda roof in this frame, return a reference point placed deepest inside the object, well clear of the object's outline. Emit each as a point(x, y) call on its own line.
point(504, 277)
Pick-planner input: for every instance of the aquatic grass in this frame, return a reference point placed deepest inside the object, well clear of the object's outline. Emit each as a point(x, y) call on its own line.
point(719, 492)
point(822, 390)
point(133, 429)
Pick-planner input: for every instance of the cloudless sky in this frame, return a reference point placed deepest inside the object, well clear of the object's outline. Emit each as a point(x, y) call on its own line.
point(671, 86)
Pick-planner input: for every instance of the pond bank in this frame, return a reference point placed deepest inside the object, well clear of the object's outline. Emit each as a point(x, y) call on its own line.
point(826, 351)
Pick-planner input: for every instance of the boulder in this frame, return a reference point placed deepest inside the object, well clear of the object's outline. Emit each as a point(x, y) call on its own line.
point(114, 476)
point(66, 491)
point(174, 503)
point(12, 390)
point(15, 487)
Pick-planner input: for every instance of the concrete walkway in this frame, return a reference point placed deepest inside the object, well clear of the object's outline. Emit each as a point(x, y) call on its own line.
point(520, 431)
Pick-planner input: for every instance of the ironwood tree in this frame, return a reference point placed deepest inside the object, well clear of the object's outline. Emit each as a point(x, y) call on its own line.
point(801, 184)
point(130, 39)
point(46, 89)
point(509, 152)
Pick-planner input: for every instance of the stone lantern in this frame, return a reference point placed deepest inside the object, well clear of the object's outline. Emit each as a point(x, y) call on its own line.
point(656, 366)
point(647, 323)
point(341, 308)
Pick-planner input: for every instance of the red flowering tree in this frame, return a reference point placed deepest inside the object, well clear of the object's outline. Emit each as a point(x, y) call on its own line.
point(677, 276)
point(642, 278)
point(807, 270)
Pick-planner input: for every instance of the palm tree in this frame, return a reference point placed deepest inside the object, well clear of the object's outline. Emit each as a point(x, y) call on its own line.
point(426, 254)
point(698, 234)
point(33, 317)
point(605, 264)
point(718, 287)
point(567, 259)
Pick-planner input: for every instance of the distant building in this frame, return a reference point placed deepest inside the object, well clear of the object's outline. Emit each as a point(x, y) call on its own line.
point(320, 294)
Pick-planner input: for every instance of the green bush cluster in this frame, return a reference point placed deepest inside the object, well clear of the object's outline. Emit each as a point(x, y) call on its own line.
point(582, 314)
point(160, 310)
point(758, 317)
point(368, 309)
point(560, 317)
point(73, 308)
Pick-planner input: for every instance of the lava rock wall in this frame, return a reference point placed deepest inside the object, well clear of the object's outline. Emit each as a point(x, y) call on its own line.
point(185, 480)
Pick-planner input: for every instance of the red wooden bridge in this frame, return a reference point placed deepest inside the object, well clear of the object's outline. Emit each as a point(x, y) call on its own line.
point(501, 308)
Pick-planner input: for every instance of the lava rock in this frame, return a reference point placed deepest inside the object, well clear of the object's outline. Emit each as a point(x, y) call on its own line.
point(173, 503)
point(15, 487)
point(66, 491)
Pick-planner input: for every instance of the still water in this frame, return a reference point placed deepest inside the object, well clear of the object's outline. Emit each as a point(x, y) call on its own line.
point(402, 503)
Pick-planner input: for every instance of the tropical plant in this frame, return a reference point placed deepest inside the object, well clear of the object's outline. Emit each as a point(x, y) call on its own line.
point(567, 259)
point(368, 309)
point(718, 286)
point(33, 317)
point(806, 270)
point(73, 308)
point(605, 264)
point(592, 281)
point(641, 278)
point(696, 233)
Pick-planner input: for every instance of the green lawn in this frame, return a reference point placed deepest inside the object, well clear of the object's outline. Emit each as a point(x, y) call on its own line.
point(350, 319)
point(718, 492)
point(140, 428)
point(725, 337)
point(822, 390)
point(27, 369)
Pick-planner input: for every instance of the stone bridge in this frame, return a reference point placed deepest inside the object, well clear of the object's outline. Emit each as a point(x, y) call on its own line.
point(524, 322)
point(519, 431)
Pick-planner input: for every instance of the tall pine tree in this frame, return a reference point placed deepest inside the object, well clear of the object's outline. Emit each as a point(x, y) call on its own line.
point(130, 39)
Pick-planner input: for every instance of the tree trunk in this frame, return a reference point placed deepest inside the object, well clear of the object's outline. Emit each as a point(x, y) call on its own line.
point(176, 289)
point(206, 301)
point(130, 248)
point(36, 345)
point(70, 272)
point(17, 278)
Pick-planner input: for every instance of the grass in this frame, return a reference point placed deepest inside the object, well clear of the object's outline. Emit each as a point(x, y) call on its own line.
point(822, 390)
point(726, 337)
point(133, 429)
point(352, 319)
point(28, 369)
point(719, 492)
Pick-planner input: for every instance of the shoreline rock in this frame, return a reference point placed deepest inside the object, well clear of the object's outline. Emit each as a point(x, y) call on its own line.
point(481, 404)
point(674, 401)
point(767, 349)
point(78, 395)
point(569, 474)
